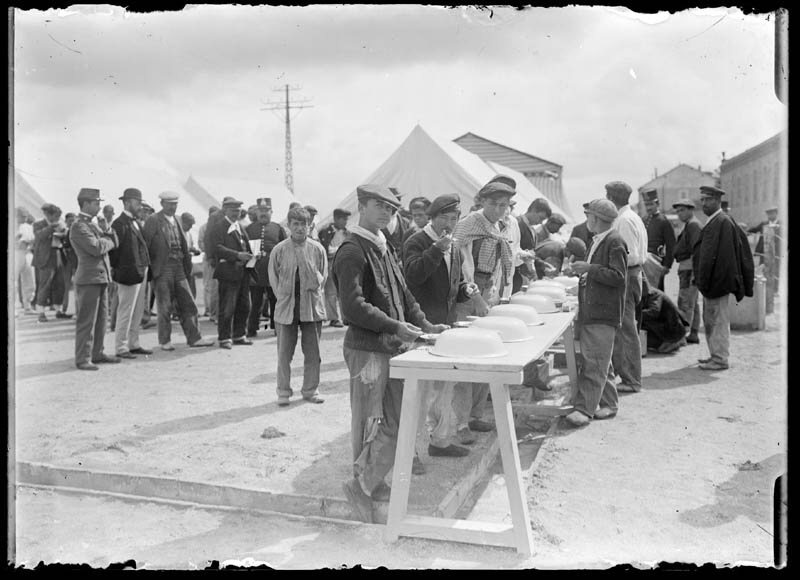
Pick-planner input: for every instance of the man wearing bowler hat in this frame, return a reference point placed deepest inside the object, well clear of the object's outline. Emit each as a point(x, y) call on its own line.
point(130, 261)
point(688, 302)
point(660, 235)
point(232, 252)
point(171, 264)
point(91, 243)
point(331, 238)
point(269, 234)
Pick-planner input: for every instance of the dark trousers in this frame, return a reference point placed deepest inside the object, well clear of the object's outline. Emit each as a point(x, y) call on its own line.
point(234, 308)
point(257, 295)
point(49, 286)
point(171, 283)
point(91, 303)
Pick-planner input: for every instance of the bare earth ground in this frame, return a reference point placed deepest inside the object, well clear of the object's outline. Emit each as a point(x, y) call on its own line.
point(684, 473)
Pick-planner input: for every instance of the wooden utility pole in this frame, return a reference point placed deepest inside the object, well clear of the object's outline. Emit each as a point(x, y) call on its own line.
point(287, 106)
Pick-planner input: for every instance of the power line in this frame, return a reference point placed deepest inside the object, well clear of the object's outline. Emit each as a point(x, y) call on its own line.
point(287, 106)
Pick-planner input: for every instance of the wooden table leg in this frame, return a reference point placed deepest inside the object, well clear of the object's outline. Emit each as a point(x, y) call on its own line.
point(572, 367)
point(506, 435)
point(406, 441)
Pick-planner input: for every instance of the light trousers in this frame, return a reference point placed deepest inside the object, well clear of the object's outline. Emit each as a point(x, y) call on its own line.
point(23, 275)
point(595, 382)
point(688, 302)
point(627, 354)
point(129, 315)
point(437, 420)
point(311, 333)
point(717, 324)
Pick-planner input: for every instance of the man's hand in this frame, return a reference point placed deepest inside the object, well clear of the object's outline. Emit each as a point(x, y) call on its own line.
point(408, 332)
point(472, 289)
point(244, 256)
point(481, 307)
point(580, 267)
point(444, 242)
point(437, 328)
point(526, 255)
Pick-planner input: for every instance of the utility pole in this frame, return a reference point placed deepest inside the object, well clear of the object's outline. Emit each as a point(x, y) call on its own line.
point(287, 106)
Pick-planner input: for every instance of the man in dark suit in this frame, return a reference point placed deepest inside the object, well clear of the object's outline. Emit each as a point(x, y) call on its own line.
point(331, 238)
point(660, 235)
point(91, 243)
point(129, 262)
point(529, 222)
point(231, 248)
point(47, 260)
point(171, 265)
point(582, 233)
point(269, 233)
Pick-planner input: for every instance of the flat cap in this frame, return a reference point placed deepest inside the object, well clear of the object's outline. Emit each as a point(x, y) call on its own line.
point(602, 208)
point(89, 194)
point(377, 192)
point(171, 196)
point(685, 202)
point(618, 188)
point(68, 215)
point(50, 208)
point(147, 206)
point(711, 191)
point(649, 194)
point(500, 178)
point(132, 193)
point(421, 202)
point(496, 189)
point(557, 218)
point(231, 202)
point(311, 209)
point(773, 208)
point(187, 217)
point(265, 202)
point(443, 204)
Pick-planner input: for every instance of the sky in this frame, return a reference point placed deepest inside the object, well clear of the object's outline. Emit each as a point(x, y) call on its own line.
point(113, 99)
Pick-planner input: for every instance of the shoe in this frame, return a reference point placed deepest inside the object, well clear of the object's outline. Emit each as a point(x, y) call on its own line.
point(336, 324)
point(417, 467)
point(682, 342)
point(243, 341)
point(465, 436)
point(626, 388)
point(577, 419)
point(86, 367)
point(449, 451)
point(704, 360)
point(107, 359)
point(481, 426)
point(63, 315)
point(283, 401)
point(604, 413)
point(692, 338)
point(148, 324)
point(316, 399)
point(203, 342)
point(226, 344)
point(125, 355)
point(360, 501)
point(43, 317)
point(167, 346)
point(669, 347)
point(713, 366)
point(382, 492)
point(252, 334)
point(141, 350)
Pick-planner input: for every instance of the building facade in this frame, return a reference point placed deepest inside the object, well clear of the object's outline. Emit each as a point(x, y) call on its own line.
point(680, 182)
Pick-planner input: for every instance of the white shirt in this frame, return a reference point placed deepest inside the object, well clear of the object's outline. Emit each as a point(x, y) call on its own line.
point(631, 228)
point(514, 238)
point(596, 242)
point(133, 219)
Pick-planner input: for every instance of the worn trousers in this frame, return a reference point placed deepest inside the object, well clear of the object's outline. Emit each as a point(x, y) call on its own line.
point(130, 307)
point(234, 308)
point(210, 289)
point(373, 427)
point(437, 420)
point(49, 286)
point(595, 381)
point(331, 300)
point(171, 283)
point(627, 354)
point(688, 302)
point(717, 325)
point(257, 296)
point(311, 334)
point(469, 402)
point(91, 304)
point(23, 276)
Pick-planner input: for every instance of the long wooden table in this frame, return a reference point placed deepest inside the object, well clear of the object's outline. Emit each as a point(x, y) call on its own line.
point(419, 365)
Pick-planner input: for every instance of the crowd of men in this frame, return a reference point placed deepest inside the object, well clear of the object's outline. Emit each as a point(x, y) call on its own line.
point(388, 277)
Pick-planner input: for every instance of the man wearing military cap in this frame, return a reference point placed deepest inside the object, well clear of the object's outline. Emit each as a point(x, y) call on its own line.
point(171, 264)
point(627, 356)
point(331, 238)
point(722, 265)
point(91, 243)
point(660, 236)
point(266, 234)
point(688, 303)
point(768, 249)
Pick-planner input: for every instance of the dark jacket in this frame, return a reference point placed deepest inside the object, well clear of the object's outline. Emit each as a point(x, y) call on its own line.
point(661, 318)
point(130, 258)
point(44, 254)
point(660, 236)
point(601, 292)
point(581, 231)
point(363, 280)
point(689, 236)
point(436, 290)
point(396, 239)
point(226, 247)
point(156, 235)
point(722, 261)
point(269, 234)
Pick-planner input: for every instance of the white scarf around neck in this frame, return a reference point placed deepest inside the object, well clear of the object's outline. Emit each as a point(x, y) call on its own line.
point(378, 239)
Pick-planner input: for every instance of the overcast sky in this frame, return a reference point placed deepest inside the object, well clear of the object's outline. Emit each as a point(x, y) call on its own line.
point(111, 99)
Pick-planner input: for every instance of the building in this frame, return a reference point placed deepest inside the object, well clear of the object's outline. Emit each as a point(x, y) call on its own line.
point(680, 182)
point(756, 179)
point(545, 175)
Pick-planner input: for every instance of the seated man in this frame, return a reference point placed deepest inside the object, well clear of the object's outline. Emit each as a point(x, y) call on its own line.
point(664, 323)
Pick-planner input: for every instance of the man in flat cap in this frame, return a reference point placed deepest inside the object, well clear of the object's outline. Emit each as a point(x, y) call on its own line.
point(627, 356)
point(210, 285)
point(171, 264)
point(331, 238)
point(130, 262)
point(48, 261)
point(395, 230)
point(660, 235)
point(433, 272)
point(91, 243)
point(601, 299)
point(722, 265)
point(688, 303)
point(768, 249)
point(231, 250)
point(265, 234)
point(384, 319)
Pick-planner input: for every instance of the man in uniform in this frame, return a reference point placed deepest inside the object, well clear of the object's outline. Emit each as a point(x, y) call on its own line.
point(688, 303)
point(91, 243)
point(660, 236)
point(331, 238)
point(268, 234)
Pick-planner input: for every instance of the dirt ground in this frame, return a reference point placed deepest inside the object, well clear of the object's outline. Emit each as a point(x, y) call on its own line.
point(684, 473)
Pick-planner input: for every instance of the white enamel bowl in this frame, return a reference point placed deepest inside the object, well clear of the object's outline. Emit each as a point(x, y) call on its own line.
point(551, 283)
point(567, 281)
point(510, 329)
point(557, 294)
point(469, 343)
point(542, 304)
point(526, 314)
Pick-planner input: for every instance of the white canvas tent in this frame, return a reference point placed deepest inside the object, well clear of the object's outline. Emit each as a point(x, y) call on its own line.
point(423, 166)
point(214, 189)
point(25, 196)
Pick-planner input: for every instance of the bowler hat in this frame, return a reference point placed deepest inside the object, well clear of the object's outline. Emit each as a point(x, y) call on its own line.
point(711, 191)
point(602, 208)
point(170, 196)
point(378, 192)
point(650, 194)
point(686, 202)
point(231, 202)
point(496, 189)
point(444, 203)
point(89, 194)
point(265, 202)
point(131, 193)
point(500, 178)
point(338, 212)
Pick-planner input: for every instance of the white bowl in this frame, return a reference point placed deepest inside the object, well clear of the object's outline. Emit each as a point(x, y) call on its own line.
point(567, 281)
point(550, 282)
point(526, 314)
point(469, 343)
point(510, 329)
point(557, 294)
point(542, 304)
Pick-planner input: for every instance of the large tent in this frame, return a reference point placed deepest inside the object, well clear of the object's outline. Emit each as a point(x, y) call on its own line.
point(423, 166)
point(25, 196)
point(214, 189)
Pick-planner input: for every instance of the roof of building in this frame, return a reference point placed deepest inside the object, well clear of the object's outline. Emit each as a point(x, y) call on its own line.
point(510, 149)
